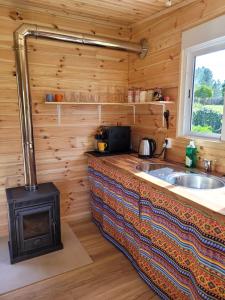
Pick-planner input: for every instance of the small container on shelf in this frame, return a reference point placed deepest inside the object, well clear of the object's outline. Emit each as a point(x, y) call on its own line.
point(137, 95)
point(67, 97)
point(143, 96)
point(59, 97)
point(157, 96)
point(96, 98)
point(166, 98)
point(49, 97)
point(78, 96)
point(130, 97)
point(149, 95)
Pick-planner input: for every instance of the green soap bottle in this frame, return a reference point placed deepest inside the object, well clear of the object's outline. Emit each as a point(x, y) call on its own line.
point(191, 155)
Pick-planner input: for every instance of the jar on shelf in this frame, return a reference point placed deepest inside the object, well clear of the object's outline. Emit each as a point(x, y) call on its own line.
point(130, 97)
point(59, 97)
point(149, 95)
point(67, 96)
point(137, 95)
point(143, 96)
point(49, 97)
point(157, 96)
point(166, 98)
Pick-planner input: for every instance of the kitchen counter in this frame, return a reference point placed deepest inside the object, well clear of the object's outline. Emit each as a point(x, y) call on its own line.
point(173, 236)
point(211, 201)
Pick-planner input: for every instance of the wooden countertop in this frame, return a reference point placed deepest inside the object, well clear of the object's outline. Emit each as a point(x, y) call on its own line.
point(210, 200)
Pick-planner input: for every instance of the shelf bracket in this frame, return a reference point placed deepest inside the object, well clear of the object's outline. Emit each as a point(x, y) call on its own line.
point(99, 114)
point(163, 119)
point(134, 112)
point(58, 110)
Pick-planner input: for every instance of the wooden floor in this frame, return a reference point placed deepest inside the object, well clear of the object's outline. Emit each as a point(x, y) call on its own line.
point(110, 277)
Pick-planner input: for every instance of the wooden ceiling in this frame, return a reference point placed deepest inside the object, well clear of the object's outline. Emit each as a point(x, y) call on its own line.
point(124, 12)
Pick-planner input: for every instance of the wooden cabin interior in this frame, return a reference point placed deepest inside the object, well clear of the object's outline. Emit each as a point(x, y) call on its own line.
point(126, 233)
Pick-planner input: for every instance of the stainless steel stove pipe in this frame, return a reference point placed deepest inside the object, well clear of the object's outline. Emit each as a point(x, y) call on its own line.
point(22, 71)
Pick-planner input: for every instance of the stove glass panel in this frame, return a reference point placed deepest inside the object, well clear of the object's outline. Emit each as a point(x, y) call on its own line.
point(36, 224)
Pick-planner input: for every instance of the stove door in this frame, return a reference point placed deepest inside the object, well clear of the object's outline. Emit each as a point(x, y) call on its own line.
point(35, 228)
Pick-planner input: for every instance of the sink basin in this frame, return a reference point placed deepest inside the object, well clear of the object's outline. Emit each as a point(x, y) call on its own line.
point(179, 176)
point(159, 170)
point(147, 166)
point(195, 181)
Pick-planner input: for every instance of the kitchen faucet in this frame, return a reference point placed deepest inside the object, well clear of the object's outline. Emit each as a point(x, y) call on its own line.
point(207, 165)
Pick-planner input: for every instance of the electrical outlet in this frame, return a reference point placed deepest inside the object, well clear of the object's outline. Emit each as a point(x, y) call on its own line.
point(168, 142)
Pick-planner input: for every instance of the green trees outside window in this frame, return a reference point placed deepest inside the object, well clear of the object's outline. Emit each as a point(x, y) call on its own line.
point(208, 102)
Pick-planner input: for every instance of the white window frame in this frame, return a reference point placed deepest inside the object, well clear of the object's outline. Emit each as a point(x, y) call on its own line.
point(200, 40)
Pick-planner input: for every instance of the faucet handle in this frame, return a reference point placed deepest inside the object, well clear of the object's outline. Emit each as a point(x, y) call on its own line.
point(207, 165)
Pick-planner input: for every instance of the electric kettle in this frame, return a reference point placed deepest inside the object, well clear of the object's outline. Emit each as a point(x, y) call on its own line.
point(147, 148)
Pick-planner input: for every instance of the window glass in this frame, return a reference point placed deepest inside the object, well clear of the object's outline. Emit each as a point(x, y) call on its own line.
point(208, 94)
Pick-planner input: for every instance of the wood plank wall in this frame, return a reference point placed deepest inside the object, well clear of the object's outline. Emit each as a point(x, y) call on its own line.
point(161, 68)
point(94, 73)
point(58, 67)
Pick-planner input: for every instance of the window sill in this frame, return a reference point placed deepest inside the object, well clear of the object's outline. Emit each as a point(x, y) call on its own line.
point(201, 139)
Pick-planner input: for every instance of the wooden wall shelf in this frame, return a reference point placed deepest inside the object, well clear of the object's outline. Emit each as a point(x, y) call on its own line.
point(110, 103)
point(99, 105)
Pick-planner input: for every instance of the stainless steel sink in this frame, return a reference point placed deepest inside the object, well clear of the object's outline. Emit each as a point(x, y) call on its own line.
point(180, 176)
point(147, 166)
point(195, 181)
point(159, 170)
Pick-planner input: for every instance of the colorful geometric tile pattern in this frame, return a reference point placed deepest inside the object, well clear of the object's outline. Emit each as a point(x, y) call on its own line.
point(178, 250)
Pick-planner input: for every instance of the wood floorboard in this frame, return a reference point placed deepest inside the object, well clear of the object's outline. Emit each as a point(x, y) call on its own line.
point(110, 277)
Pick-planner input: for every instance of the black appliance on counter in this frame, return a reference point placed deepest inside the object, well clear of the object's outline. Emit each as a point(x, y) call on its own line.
point(117, 138)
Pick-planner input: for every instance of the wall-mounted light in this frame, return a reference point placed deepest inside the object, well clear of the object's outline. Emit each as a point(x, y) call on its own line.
point(168, 3)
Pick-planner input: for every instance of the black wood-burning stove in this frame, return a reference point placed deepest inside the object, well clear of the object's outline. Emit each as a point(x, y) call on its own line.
point(34, 221)
point(34, 213)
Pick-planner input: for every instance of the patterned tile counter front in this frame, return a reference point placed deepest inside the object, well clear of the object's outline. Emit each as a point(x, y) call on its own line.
point(177, 248)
